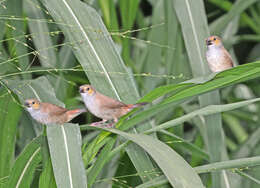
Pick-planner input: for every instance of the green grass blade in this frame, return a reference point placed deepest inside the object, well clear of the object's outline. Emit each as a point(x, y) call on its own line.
point(175, 168)
point(25, 165)
point(185, 145)
point(100, 162)
point(246, 149)
point(108, 9)
point(40, 34)
point(193, 21)
point(231, 164)
point(248, 177)
point(47, 177)
point(68, 60)
point(211, 109)
point(25, 131)
point(10, 114)
point(17, 45)
point(65, 151)
point(155, 182)
point(128, 13)
point(154, 55)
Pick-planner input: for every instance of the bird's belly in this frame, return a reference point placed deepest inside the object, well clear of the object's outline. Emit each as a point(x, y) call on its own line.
point(94, 107)
point(40, 117)
point(216, 61)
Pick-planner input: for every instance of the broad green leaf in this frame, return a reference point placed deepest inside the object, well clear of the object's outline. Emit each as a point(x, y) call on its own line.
point(96, 52)
point(47, 177)
point(175, 168)
point(25, 131)
point(65, 151)
point(10, 113)
point(93, 48)
point(25, 165)
point(193, 20)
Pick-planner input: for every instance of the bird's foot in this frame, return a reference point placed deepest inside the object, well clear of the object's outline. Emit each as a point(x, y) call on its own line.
point(97, 123)
point(110, 125)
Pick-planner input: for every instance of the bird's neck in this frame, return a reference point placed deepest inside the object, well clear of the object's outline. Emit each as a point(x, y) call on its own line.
point(214, 47)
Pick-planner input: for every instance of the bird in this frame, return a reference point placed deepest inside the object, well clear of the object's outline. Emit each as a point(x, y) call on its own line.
point(47, 113)
point(103, 106)
point(217, 56)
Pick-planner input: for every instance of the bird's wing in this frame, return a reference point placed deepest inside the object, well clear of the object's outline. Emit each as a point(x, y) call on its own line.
point(228, 58)
point(107, 102)
point(53, 109)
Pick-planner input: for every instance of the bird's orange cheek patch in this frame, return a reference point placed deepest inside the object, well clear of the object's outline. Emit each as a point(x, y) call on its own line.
point(90, 91)
point(36, 106)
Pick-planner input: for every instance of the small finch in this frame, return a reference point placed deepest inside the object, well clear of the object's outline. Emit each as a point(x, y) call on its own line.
point(47, 113)
point(217, 56)
point(104, 107)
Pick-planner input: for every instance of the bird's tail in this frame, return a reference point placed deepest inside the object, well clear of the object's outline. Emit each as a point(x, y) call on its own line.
point(132, 106)
point(75, 112)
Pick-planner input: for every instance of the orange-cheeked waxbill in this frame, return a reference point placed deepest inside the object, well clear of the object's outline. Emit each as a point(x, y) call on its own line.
point(103, 106)
point(217, 56)
point(47, 113)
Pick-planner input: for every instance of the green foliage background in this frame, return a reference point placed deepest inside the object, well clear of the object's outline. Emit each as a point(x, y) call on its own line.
point(200, 130)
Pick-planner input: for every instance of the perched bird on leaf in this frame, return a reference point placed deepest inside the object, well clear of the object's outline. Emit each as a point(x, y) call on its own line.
point(104, 107)
point(47, 113)
point(217, 56)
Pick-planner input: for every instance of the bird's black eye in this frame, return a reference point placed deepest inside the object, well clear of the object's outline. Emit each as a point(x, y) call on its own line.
point(214, 38)
point(33, 102)
point(88, 89)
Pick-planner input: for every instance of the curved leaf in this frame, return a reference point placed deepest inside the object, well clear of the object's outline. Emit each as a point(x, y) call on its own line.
point(179, 173)
point(25, 165)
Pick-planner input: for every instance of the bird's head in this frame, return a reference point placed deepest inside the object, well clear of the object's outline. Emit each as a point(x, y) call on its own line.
point(87, 90)
point(213, 41)
point(32, 104)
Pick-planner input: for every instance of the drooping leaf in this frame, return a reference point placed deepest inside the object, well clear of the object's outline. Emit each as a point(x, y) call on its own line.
point(10, 113)
point(25, 165)
point(65, 151)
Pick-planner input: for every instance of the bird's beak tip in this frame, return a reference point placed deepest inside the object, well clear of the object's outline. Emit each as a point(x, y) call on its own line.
point(209, 42)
